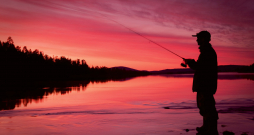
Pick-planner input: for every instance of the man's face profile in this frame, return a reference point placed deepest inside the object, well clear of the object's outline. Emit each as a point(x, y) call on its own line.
point(200, 40)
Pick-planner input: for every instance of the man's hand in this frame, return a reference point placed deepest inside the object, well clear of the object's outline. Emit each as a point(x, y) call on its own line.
point(188, 61)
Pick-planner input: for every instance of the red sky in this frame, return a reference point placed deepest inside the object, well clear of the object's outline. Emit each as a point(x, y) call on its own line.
point(82, 29)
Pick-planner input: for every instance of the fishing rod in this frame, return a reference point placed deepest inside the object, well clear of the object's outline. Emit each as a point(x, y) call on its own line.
point(146, 38)
point(182, 64)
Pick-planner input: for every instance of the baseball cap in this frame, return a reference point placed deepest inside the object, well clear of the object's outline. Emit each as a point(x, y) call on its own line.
point(204, 34)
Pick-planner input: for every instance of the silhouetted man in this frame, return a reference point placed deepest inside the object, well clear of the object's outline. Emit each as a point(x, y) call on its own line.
point(205, 83)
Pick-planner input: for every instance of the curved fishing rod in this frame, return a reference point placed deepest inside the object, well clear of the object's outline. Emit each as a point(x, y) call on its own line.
point(145, 37)
point(103, 15)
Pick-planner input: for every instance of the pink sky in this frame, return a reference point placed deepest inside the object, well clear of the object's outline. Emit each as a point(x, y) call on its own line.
point(82, 29)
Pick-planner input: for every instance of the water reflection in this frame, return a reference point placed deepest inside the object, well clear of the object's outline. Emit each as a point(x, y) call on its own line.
point(17, 95)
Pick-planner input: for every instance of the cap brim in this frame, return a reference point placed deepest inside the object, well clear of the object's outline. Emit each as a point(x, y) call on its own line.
point(194, 35)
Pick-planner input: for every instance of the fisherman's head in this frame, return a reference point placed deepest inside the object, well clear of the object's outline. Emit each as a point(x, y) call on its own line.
point(203, 37)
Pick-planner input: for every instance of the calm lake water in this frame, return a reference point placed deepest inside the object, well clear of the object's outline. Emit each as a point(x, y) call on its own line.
point(132, 107)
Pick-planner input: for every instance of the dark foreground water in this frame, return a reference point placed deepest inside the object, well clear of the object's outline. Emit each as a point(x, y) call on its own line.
point(128, 107)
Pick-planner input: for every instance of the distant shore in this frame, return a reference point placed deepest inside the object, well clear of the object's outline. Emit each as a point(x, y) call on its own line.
point(24, 65)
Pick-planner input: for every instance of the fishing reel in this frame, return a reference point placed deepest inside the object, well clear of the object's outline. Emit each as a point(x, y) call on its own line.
point(184, 64)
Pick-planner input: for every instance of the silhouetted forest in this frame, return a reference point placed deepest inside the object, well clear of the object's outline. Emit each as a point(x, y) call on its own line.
point(23, 64)
point(246, 69)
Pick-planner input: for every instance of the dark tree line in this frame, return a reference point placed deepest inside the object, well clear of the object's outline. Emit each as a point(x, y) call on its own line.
point(23, 64)
point(246, 69)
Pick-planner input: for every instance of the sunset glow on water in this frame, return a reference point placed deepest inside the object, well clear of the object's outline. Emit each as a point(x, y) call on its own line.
point(133, 106)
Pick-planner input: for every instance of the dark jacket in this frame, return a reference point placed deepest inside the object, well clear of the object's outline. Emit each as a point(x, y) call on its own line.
point(206, 70)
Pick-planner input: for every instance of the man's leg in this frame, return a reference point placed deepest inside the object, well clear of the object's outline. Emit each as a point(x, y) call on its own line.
point(200, 104)
point(206, 105)
point(211, 114)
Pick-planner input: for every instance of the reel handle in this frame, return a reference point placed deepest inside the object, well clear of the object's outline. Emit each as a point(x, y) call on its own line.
point(184, 64)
